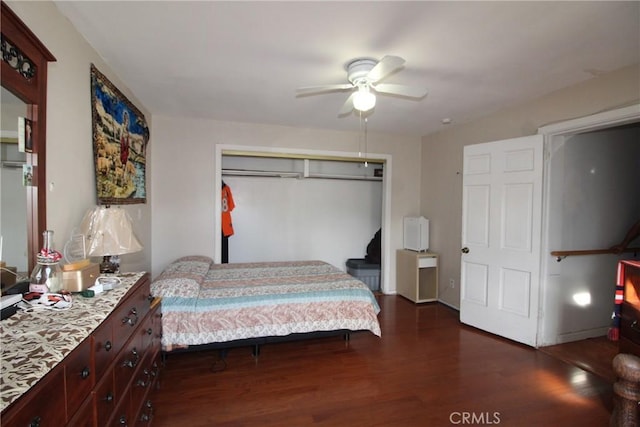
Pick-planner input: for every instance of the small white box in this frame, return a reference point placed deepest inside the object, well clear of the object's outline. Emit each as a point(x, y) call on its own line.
point(416, 233)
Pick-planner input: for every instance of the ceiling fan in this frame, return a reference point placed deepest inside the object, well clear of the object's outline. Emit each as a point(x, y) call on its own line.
point(365, 75)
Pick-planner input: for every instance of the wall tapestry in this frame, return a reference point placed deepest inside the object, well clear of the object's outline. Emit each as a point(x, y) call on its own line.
point(120, 137)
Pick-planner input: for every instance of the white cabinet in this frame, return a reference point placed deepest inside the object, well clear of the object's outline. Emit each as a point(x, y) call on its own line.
point(417, 275)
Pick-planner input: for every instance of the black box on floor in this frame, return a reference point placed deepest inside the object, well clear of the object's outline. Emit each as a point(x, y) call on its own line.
point(368, 273)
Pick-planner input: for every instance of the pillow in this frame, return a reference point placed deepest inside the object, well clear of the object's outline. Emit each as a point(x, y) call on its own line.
point(183, 287)
point(182, 278)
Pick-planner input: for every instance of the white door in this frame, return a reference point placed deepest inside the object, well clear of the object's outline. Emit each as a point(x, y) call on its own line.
point(501, 234)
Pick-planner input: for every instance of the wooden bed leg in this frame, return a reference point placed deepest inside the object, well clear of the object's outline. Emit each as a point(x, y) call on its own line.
point(256, 351)
point(220, 364)
point(347, 336)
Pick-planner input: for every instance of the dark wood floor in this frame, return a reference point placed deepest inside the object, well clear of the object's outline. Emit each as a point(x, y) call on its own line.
point(593, 354)
point(426, 370)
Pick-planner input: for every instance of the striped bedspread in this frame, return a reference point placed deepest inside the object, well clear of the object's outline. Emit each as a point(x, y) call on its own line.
point(205, 303)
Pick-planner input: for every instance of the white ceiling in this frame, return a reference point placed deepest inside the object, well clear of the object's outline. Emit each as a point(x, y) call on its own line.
point(242, 61)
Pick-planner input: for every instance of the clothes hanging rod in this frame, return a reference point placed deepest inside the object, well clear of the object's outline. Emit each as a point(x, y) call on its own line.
point(560, 255)
point(262, 173)
point(13, 164)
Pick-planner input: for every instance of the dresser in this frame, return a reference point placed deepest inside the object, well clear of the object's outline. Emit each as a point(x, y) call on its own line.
point(91, 365)
point(629, 277)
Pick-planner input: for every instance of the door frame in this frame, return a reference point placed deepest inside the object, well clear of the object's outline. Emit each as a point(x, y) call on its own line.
point(385, 267)
point(556, 133)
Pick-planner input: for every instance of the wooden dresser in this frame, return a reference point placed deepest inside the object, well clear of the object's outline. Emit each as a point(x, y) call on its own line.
point(629, 276)
point(91, 365)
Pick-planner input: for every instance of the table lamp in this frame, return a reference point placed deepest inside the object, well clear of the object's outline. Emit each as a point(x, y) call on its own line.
point(109, 234)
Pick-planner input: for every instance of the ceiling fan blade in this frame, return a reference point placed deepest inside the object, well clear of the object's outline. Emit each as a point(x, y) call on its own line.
point(386, 66)
point(402, 90)
point(308, 90)
point(347, 107)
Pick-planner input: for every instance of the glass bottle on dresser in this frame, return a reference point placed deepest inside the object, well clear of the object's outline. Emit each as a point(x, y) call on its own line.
point(47, 275)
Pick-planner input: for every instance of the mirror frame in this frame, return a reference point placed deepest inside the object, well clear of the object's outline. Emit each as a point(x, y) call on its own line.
point(24, 73)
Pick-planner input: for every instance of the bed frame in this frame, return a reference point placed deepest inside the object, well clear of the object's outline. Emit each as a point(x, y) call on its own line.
point(210, 298)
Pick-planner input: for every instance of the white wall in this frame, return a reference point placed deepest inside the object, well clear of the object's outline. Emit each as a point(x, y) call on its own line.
point(593, 199)
point(184, 176)
point(70, 165)
point(441, 189)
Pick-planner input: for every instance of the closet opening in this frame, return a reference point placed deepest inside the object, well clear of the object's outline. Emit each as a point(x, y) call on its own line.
point(300, 205)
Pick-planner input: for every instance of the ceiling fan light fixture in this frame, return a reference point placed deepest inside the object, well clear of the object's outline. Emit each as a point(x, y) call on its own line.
point(364, 100)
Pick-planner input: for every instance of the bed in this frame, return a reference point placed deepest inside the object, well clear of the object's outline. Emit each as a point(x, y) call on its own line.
point(208, 305)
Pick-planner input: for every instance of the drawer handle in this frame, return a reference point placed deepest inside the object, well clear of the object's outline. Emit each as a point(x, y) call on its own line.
point(132, 363)
point(132, 318)
point(150, 298)
point(108, 397)
point(634, 326)
point(141, 383)
point(108, 346)
point(123, 420)
point(149, 331)
point(85, 373)
point(35, 422)
point(145, 417)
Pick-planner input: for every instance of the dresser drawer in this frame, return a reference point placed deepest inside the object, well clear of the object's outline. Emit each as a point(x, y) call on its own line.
point(104, 348)
point(151, 330)
point(141, 383)
point(106, 398)
point(427, 262)
point(79, 376)
point(146, 414)
point(630, 322)
point(85, 416)
point(122, 416)
point(127, 363)
point(130, 313)
point(44, 406)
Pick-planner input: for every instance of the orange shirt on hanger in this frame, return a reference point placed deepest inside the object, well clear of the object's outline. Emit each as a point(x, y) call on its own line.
point(227, 207)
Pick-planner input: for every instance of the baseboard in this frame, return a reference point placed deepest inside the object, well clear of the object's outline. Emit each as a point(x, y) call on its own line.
point(449, 305)
point(581, 335)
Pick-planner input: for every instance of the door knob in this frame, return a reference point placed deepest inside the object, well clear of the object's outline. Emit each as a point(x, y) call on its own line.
point(465, 250)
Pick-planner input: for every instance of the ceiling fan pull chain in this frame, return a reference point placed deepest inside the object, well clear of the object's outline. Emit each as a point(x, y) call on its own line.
point(360, 134)
point(366, 164)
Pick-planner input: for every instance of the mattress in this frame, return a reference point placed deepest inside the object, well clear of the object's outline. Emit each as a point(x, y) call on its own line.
point(205, 303)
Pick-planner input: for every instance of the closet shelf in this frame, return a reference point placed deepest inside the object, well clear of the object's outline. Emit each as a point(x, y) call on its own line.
point(299, 175)
point(348, 177)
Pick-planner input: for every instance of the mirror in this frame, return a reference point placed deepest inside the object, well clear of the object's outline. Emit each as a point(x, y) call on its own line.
point(13, 200)
point(24, 74)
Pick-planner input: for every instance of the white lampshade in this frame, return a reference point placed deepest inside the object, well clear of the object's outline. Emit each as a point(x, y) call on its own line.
point(109, 232)
point(363, 99)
